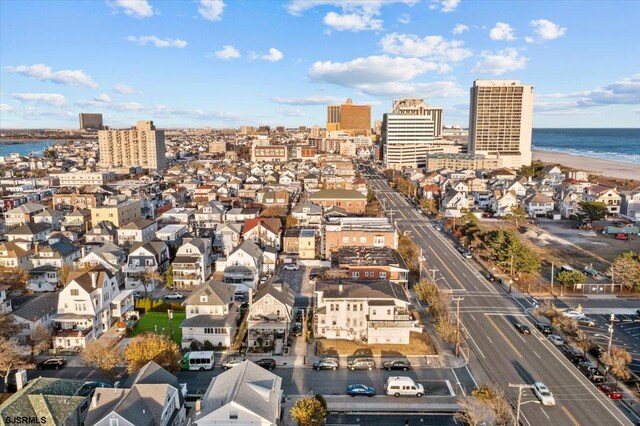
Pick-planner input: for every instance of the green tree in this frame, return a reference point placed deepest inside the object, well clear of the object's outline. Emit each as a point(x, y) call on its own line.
point(568, 325)
point(625, 270)
point(570, 278)
point(169, 277)
point(371, 196)
point(308, 411)
point(428, 205)
point(593, 210)
point(152, 347)
point(617, 360)
point(517, 214)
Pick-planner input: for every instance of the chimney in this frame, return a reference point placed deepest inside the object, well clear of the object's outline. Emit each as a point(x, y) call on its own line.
point(94, 400)
point(277, 286)
point(340, 286)
point(94, 278)
point(198, 406)
point(36, 247)
point(250, 296)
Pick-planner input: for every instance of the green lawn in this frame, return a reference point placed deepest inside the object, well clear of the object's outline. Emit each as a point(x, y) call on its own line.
point(150, 320)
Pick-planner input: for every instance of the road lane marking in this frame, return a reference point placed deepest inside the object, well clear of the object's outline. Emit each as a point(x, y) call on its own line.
point(536, 354)
point(466, 366)
point(466, 332)
point(573, 419)
point(472, 317)
point(458, 382)
point(512, 327)
point(544, 412)
point(489, 339)
point(504, 337)
point(450, 388)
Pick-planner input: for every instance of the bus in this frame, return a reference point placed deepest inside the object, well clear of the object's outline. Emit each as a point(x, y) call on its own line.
point(201, 361)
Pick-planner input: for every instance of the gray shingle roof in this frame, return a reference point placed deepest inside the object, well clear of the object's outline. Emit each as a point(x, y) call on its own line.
point(286, 295)
point(36, 308)
point(217, 292)
point(29, 229)
point(199, 321)
point(362, 290)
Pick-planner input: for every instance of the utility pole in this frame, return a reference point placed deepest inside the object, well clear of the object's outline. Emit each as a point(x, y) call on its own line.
point(613, 318)
point(420, 260)
point(457, 300)
point(520, 388)
point(552, 276)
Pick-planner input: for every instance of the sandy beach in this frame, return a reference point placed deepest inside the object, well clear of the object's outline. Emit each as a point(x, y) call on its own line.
point(608, 168)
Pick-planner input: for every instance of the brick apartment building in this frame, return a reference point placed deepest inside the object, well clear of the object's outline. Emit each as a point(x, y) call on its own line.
point(358, 232)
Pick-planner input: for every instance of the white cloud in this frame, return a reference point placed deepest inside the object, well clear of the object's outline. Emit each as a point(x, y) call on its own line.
point(211, 10)
point(545, 30)
point(123, 89)
point(135, 8)
point(405, 18)
point(308, 100)
point(440, 89)
point(6, 108)
point(502, 31)
point(227, 52)
point(296, 7)
point(274, 55)
point(44, 73)
point(295, 112)
point(434, 47)
point(444, 5)
point(54, 99)
point(104, 98)
point(460, 28)
point(352, 22)
point(500, 62)
point(164, 111)
point(157, 42)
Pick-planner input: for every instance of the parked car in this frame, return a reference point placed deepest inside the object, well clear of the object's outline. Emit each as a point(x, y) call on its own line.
point(524, 329)
point(573, 354)
point(396, 364)
point(610, 391)
point(556, 340)
point(297, 330)
point(364, 390)
point(489, 276)
point(596, 376)
point(543, 394)
point(589, 322)
point(587, 366)
point(173, 296)
point(544, 328)
point(56, 363)
point(96, 384)
point(622, 237)
point(638, 312)
point(572, 313)
point(291, 267)
point(596, 351)
point(590, 272)
point(467, 254)
point(137, 295)
point(267, 363)
point(326, 364)
point(361, 364)
point(232, 362)
point(402, 385)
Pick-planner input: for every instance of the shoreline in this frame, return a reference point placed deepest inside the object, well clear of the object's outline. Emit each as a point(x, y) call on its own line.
point(607, 168)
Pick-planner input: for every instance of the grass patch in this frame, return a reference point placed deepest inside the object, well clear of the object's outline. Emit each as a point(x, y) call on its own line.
point(158, 322)
point(419, 344)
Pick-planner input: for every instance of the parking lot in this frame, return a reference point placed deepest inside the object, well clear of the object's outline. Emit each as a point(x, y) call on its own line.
point(300, 282)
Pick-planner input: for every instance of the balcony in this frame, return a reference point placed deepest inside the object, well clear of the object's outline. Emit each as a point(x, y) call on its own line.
point(389, 324)
point(73, 332)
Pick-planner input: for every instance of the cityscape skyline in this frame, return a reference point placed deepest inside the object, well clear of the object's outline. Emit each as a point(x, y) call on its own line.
point(227, 64)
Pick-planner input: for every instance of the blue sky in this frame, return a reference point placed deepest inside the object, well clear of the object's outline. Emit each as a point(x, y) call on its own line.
point(213, 63)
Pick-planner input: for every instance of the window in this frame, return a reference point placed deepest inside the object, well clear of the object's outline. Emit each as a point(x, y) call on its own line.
point(355, 274)
point(378, 241)
point(208, 330)
point(233, 415)
point(363, 240)
point(383, 275)
point(373, 312)
point(113, 422)
point(75, 292)
point(345, 240)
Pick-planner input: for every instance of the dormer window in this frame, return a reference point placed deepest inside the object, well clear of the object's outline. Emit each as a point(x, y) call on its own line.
point(203, 299)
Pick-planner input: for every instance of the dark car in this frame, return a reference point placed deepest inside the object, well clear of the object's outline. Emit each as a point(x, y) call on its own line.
point(596, 376)
point(573, 354)
point(638, 312)
point(297, 330)
point(544, 328)
point(56, 363)
point(396, 364)
point(326, 364)
point(610, 391)
point(524, 329)
point(364, 390)
point(362, 364)
point(587, 366)
point(89, 387)
point(596, 351)
point(267, 363)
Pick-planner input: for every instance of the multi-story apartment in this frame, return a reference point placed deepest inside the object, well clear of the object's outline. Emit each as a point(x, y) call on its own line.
point(352, 119)
point(609, 196)
point(22, 214)
point(416, 106)
point(350, 200)
point(269, 153)
point(373, 263)
point(406, 138)
point(85, 178)
point(501, 120)
point(192, 264)
point(140, 230)
point(300, 241)
point(142, 146)
point(371, 311)
point(270, 315)
point(118, 210)
point(152, 256)
point(439, 161)
point(360, 232)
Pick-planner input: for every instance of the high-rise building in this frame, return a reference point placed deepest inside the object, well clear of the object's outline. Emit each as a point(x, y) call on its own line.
point(416, 106)
point(142, 146)
point(90, 121)
point(350, 118)
point(501, 120)
point(315, 132)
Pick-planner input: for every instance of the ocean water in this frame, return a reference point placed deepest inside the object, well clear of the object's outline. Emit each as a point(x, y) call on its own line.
point(36, 147)
point(606, 144)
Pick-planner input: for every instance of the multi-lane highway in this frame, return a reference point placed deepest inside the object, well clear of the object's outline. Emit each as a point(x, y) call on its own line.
point(499, 353)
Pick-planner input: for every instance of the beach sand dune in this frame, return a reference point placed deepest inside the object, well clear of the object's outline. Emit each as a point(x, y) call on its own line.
point(608, 168)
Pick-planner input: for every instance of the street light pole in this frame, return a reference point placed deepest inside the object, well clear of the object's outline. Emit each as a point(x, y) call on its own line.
point(170, 315)
point(457, 300)
point(520, 387)
point(552, 278)
point(612, 319)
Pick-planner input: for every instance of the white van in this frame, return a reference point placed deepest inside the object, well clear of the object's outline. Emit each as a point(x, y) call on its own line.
point(403, 385)
point(200, 361)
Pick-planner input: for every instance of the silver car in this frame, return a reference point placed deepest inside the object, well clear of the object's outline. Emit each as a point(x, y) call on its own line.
point(543, 394)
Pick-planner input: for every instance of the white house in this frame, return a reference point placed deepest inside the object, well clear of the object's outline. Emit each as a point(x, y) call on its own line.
point(503, 202)
point(307, 214)
point(538, 204)
point(141, 231)
point(59, 252)
point(209, 215)
point(453, 203)
point(152, 256)
point(270, 315)
point(244, 265)
point(211, 315)
point(192, 264)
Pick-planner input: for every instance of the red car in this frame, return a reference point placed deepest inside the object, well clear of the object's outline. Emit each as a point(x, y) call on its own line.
point(610, 391)
point(623, 237)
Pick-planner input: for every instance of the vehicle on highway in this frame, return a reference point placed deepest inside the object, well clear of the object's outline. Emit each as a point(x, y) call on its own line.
point(596, 351)
point(291, 267)
point(361, 364)
point(358, 389)
point(543, 394)
point(232, 362)
point(586, 321)
point(489, 276)
point(610, 391)
point(590, 272)
point(574, 355)
point(524, 329)
point(572, 313)
point(267, 363)
point(403, 385)
point(396, 364)
point(556, 340)
point(197, 360)
point(638, 312)
point(544, 328)
point(326, 364)
point(467, 254)
point(596, 376)
point(56, 363)
point(173, 296)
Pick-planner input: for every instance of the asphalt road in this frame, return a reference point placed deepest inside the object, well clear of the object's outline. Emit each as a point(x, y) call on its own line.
point(487, 315)
point(390, 420)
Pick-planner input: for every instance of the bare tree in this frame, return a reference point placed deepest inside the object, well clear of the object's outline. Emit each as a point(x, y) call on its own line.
point(11, 358)
point(149, 278)
point(39, 340)
point(103, 355)
point(617, 361)
point(473, 411)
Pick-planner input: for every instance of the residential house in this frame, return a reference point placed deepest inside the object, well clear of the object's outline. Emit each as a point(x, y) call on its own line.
point(211, 315)
point(351, 200)
point(244, 395)
point(244, 265)
point(102, 232)
point(209, 215)
point(538, 204)
point(372, 264)
point(22, 214)
point(630, 205)
point(119, 210)
point(358, 231)
point(36, 312)
point(307, 214)
point(271, 315)
point(51, 217)
point(453, 203)
point(192, 264)
point(78, 220)
point(609, 196)
point(50, 400)
point(263, 231)
point(228, 236)
point(152, 396)
point(152, 256)
point(364, 311)
point(568, 203)
point(140, 230)
point(241, 214)
point(553, 174)
point(5, 304)
point(59, 251)
point(108, 256)
point(14, 254)
point(300, 241)
point(503, 202)
point(516, 187)
point(29, 232)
